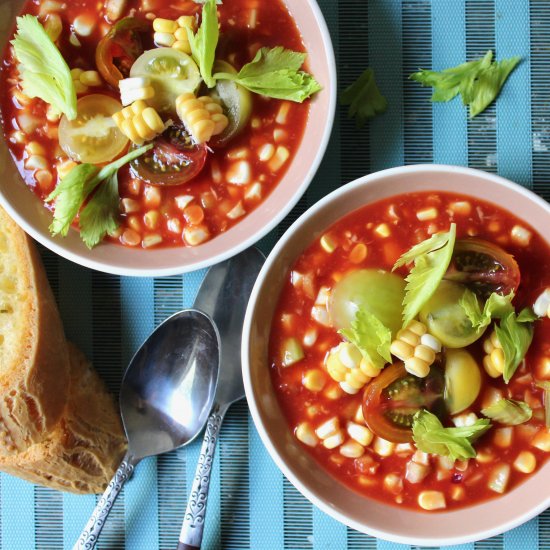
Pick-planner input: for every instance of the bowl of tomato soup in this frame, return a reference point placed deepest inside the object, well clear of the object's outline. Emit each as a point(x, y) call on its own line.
point(396, 358)
point(163, 136)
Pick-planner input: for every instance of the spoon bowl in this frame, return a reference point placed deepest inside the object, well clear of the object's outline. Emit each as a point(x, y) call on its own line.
point(166, 396)
point(168, 389)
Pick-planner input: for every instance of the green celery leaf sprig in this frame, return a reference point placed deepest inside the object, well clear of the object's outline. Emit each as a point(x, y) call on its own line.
point(508, 412)
point(371, 336)
point(276, 73)
point(205, 41)
point(478, 82)
point(496, 307)
point(44, 72)
point(100, 215)
point(273, 72)
point(430, 436)
point(364, 99)
point(515, 334)
point(431, 260)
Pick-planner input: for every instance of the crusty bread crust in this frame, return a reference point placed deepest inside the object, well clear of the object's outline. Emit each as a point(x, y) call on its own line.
point(83, 452)
point(34, 379)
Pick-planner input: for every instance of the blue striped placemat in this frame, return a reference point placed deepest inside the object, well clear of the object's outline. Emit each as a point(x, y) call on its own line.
point(251, 505)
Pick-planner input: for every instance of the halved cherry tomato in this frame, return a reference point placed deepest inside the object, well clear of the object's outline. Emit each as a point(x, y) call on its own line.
point(392, 399)
point(119, 48)
point(484, 267)
point(175, 159)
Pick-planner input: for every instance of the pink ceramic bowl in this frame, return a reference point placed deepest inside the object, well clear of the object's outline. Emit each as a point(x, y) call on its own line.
point(366, 515)
point(27, 210)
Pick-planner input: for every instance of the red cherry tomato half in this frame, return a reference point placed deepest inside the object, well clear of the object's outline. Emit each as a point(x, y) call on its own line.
point(392, 399)
point(484, 267)
point(119, 48)
point(175, 159)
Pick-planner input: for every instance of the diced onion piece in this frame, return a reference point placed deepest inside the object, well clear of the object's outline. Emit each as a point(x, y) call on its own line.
point(499, 477)
point(416, 472)
point(393, 483)
point(292, 352)
point(521, 235)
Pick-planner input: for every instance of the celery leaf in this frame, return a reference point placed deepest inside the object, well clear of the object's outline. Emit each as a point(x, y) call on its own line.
point(431, 260)
point(456, 443)
point(496, 307)
point(478, 82)
point(205, 41)
point(371, 336)
point(364, 99)
point(508, 412)
point(515, 337)
point(276, 73)
point(44, 72)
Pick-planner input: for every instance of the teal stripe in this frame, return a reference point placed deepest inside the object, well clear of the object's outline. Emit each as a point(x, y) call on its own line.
point(75, 287)
point(385, 55)
point(17, 513)
point(514, 141)
point(386, 545)
point(450, 128)
point(327, 532)
point(77, 510)
point(460, 547)
point(141, 492)
point(525, 536)
point(266, 496)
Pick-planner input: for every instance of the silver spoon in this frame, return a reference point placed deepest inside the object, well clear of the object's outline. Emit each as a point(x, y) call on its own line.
point(224, 295)
point(165, 399)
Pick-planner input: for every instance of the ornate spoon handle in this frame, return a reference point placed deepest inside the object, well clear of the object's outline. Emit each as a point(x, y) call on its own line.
point(193, 521)
point(88, 537)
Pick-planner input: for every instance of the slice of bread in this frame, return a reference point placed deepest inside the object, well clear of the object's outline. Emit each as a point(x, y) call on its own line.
point(83, 452)
point(34, 362)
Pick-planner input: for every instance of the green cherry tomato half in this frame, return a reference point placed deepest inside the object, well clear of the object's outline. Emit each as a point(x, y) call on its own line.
point(446, 319)
point(380, 292)
point(172, 73)
point(236, 102)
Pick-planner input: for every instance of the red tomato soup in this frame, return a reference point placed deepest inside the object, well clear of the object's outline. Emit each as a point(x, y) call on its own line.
point(438, 427)
point(201, 178)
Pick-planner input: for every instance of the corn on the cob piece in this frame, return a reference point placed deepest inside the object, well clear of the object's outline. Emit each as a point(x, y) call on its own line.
point(346, 365)
point(202, 116)
point(139, 123)
point(416, 348)
point(494, 361)
point(135, 89)
point(173, 34)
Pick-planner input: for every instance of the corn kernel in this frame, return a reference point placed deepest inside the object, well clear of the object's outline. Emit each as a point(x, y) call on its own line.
point(328, 428)
point(358, 253)
point(431, 500)
point(525, 462)
point(427, 214)
point(417, 367)
point(328, 243)
point(352, 449)
point(314, 380)
point(542, 440)
point(304, 432)
point(165, 25)
point(401, 349)
point(383, 230)
point(359, 433)
point(151, 219)
point(334, 440)
point(383, 447)
point(369, 369)
point(393, 483)
point(503, 437)
point(521, 235)
point(151, 240)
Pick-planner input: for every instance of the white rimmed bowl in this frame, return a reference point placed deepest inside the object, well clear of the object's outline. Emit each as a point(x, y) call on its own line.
point(27, 210)
point(370, 516)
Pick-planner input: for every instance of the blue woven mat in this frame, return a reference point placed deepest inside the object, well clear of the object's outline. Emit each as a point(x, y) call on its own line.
point(251, 505)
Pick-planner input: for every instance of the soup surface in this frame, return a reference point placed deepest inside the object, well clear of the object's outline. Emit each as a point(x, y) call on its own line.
point(188, 189)
point(436, 428)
